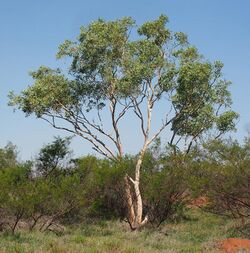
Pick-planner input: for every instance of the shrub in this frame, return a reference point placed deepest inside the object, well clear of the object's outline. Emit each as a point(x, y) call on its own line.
point(224, 177)
point(16, 195)
point(103, 182)
point(165, 188)
point(8, 156)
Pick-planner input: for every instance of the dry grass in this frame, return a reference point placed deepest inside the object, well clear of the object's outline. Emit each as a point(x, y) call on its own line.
point(200, 233)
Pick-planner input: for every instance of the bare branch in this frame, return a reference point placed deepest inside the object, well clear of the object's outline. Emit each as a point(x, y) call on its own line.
point(131, 180)
point(124, 110)
point(139, 114)
point(160, 131)
point(112, 107)
point(93, 139)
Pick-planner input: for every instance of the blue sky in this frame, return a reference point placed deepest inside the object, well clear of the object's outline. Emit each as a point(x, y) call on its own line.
point(30, 32)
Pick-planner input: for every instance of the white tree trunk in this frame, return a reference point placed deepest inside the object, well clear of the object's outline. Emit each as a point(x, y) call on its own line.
point(130, 204)
point(135, 205)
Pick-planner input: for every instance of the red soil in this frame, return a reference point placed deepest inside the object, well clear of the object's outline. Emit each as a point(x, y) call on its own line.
point(198, 202)
point(233, 245)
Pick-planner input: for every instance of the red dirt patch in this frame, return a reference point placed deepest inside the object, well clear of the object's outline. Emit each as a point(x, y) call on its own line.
point(233, 245)
point(198, 202)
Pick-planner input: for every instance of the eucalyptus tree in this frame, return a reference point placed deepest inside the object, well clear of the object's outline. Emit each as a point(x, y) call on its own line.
point(115, 73)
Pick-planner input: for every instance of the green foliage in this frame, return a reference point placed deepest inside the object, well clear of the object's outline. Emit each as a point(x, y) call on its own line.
point(223, 176)
point(108, 66)
point(53, 156)
point(94, 188)
point(225, 121)
point(104, 185)
point(8, 156)
point(16, 196)
point(165, 187)
point(50, 92)
point(31, 196)
point(156, 30)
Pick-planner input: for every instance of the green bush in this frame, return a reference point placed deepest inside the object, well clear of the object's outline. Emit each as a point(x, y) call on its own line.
point(224, 176)
point(16, 195)
point(103, 182)
point(165, 187)
point(8, 156)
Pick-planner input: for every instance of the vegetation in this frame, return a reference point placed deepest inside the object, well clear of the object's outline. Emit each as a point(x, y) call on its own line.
point(69, 192)
point(8, 156)
point(200, 233)
point(113, 76)
point(224, 178)
point(55, 203)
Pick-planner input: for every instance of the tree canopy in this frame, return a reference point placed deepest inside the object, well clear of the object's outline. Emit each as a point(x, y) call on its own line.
point(112, 69)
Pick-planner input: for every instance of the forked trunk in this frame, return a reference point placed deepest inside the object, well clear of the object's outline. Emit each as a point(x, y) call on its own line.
point(134, 200)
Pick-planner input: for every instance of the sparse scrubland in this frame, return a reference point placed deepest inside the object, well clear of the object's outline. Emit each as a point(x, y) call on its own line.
point(59, 204)
point(183, 195)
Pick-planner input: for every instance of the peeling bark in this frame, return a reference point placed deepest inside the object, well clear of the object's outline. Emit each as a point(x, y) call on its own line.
point(129, 201)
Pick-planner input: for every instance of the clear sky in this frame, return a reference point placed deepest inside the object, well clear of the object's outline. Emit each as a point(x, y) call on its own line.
point(31, 30)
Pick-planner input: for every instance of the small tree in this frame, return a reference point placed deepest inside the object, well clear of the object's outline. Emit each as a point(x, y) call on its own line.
point(112, 75)
point(53, 157)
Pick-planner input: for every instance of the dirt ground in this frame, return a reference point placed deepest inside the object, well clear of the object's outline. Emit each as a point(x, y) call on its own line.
point(234, 245)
